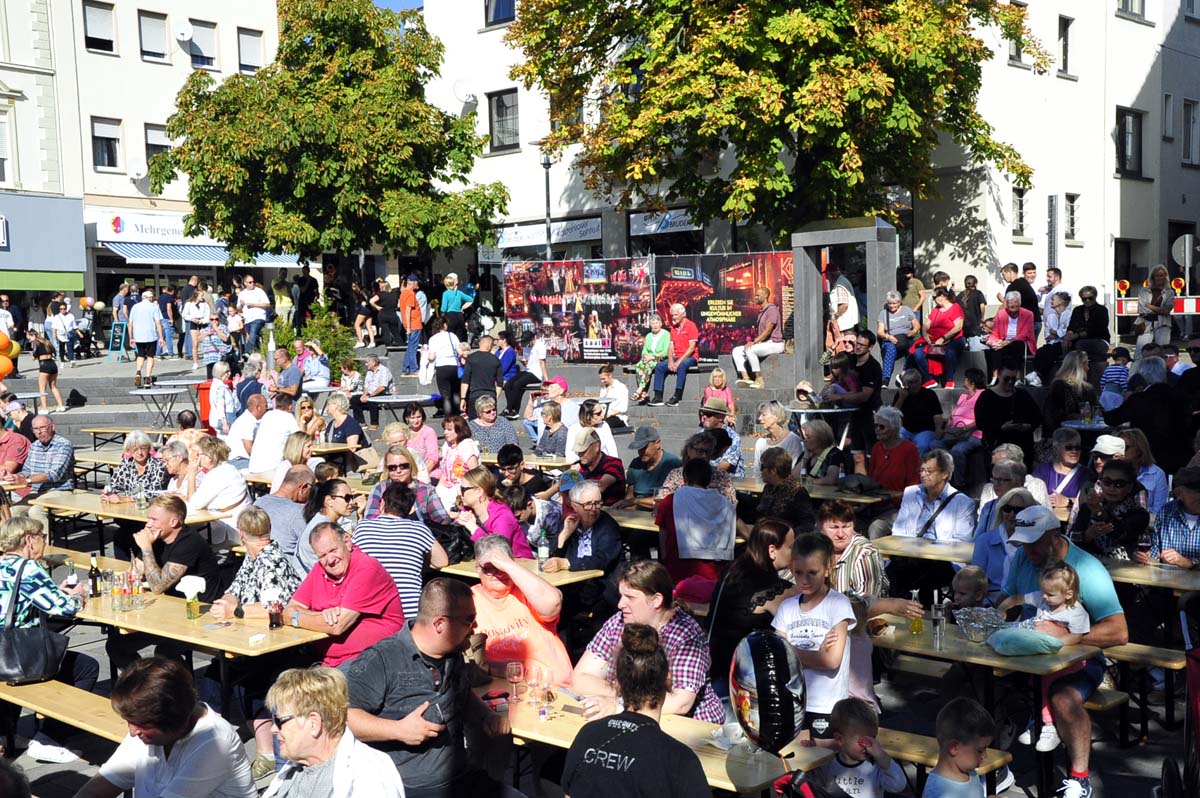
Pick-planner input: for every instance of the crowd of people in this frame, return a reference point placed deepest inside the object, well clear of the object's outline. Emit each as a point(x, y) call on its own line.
point(1048, 483)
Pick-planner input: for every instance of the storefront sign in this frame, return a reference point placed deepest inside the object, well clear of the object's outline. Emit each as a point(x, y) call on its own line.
point(534, 235)
point(118, 224)
point(652, 224)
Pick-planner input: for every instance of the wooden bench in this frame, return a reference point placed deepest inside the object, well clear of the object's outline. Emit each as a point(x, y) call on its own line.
point(63, 702)
point(922, 751)
point(1143, 658)
point(699, 368)
point(1106, 701)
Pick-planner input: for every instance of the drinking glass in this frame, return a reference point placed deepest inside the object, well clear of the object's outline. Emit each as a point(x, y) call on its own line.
point(1145, 540)
point(534, 679)
point(514, 672)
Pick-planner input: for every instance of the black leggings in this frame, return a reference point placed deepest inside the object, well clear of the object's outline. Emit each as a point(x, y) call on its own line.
point(514, 390)
point(357, 406)
point(448, 386)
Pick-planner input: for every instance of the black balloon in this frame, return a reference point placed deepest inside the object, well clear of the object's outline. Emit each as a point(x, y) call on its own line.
point(766, 685)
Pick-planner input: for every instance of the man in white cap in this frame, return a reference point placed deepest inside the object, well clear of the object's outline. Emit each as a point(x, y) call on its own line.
point(1038, 533)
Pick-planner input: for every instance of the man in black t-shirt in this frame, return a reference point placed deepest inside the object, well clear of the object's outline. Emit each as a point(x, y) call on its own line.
point(168, 553)
point(482, 375)
point(868, 398)
point(1029, 297)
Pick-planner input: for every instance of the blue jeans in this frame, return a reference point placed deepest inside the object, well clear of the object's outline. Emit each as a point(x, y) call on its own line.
point(660, 375)
point(960, 451)
point(890, 353)
point(253, 335)
point(924, 441)
point(920, 360)
point(412, 362)
point(168, 340)
point(533, 429)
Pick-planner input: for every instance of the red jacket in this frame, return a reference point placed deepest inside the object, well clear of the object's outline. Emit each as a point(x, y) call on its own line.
point(1024, 328)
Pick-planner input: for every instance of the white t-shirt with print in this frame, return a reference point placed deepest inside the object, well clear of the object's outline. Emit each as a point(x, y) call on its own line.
point(806, 630)
point(209, 761)
point(1074, 618)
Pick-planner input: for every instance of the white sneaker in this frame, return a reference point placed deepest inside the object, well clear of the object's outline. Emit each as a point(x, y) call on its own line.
point(1026, 737)
point(195, 366)
point(359, 345)
point(1076, 788)
point(1048, 741)
point(1005, 778)
point(48, 752)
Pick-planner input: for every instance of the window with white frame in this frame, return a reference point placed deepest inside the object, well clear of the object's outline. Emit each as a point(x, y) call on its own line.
point(1064, 45)
point(204, 44)
point(1129, 142)
point(1018, 212)
point(156, 141)
point(1191, 132)
point(1135, 7)
point(98, 27)
point(152, 28)
point(250, 57)
point(5, 168)
point(1168, 116)
point(497, 12)
point(503, 122)
point(1072, 217)
point(106, 143)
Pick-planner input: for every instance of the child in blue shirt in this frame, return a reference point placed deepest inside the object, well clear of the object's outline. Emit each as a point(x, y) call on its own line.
point(964, 732)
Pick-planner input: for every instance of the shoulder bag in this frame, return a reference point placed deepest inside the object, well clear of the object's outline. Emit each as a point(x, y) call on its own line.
point(29, 654)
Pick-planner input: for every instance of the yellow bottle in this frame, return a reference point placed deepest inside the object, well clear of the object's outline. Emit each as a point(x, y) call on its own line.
point(917, 625)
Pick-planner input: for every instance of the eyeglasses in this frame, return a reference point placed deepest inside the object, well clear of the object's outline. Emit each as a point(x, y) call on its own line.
point(1071, 447)
point(279, 721)
point(1088, 298)
point(399, 467)
point(1114, 483)
point(588, 505)
point(345, 496)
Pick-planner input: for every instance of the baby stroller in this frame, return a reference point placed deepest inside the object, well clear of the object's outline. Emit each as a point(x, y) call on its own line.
point(87, 345)
point(1174, 783)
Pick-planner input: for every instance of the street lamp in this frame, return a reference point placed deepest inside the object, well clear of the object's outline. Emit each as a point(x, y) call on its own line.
point(546, 166)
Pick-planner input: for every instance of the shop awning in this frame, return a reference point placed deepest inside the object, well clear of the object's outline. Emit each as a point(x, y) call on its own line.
point(185, 254)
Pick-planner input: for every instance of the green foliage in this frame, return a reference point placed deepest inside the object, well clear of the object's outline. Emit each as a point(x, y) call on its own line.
point(778, 113)
point(336, 340)
point(333, 146)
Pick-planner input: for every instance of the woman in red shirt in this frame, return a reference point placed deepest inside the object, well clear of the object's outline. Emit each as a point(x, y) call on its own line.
point(943, 332)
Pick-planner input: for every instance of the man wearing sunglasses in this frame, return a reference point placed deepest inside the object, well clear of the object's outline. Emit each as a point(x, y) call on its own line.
point(411, 697)
point(1088, 330)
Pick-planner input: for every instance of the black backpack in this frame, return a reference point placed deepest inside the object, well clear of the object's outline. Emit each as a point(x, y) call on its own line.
point(76, 399)
point(454, 538)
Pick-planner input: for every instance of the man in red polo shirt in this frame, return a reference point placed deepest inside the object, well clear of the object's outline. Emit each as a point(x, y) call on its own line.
point(348, 595)
point(681, 357)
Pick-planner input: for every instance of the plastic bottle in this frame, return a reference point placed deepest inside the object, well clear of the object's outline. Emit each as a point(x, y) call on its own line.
point(939, 621)
point(543, 551)
point(917, 625)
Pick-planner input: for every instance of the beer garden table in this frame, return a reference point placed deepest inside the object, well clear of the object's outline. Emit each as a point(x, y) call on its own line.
point(466, 568)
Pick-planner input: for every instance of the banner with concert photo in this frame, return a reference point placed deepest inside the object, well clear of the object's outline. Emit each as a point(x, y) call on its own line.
point(588, 310)
point(718, 293)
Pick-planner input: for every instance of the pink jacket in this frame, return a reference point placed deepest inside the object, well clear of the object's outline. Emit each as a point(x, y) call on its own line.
point(1024, 328)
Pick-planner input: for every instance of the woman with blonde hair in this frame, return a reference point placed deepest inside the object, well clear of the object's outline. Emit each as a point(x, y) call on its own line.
point(823, 462)
point(1070, 394)
point(195, 313)
point(222, 404)
point(297, 450)
point(454, 304)
point(324, 759)
point(308, 418)
point(223, 489)
point(1156, 302)
point(1149, 475)
point(483, 514)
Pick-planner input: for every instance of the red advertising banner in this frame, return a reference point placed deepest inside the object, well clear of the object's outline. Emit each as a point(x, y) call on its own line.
point(599, 310)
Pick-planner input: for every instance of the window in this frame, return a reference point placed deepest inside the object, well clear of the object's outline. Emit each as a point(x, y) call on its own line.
point(98, 27)
point(1018, 213)
point(1135, 7)
point(497, 12)
point(502, 120)
point(1190, 7)
point(1191, 132)
point(1129, 142)
point(204, 44)
point(106, 143)
point(1072, 220)
point(1064, 45)
point(250, 58)
point(153, 30)
point(564, 116)
point(1168, 116)
point(5, 177)
point(156, 141)
point(1014, 46)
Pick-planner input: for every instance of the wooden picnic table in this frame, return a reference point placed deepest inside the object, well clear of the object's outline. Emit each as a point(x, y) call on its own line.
point(55, 554)
point(264, 479)
point(166, 616)
point(1169, 577)
point(924, 549)
point(737, 770)
point(343, 450)
point(161, 401)
point(394, 403)
point(540, 462)
point(638, 520)
point(106, 435)
point(80, 502)
point(466, 568)
point(819, 492)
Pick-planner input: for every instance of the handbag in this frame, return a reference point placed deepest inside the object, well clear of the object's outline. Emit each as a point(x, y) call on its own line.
point(29, 654)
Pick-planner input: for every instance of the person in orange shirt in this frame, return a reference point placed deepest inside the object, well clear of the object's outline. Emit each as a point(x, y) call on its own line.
point(410, 317)
point(518, 611)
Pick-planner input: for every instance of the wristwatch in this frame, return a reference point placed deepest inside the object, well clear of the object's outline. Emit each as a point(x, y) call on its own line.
point(296, 619)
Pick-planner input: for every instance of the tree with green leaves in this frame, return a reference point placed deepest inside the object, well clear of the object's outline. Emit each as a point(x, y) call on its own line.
point(333, 147)
point(772, 112)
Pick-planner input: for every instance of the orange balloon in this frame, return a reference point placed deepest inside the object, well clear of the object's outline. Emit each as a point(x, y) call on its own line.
point(4, 342)
point(6, 367)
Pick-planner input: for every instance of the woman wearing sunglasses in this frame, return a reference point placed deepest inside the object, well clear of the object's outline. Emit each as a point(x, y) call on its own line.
point(1109, 521)
point(1065, 474)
